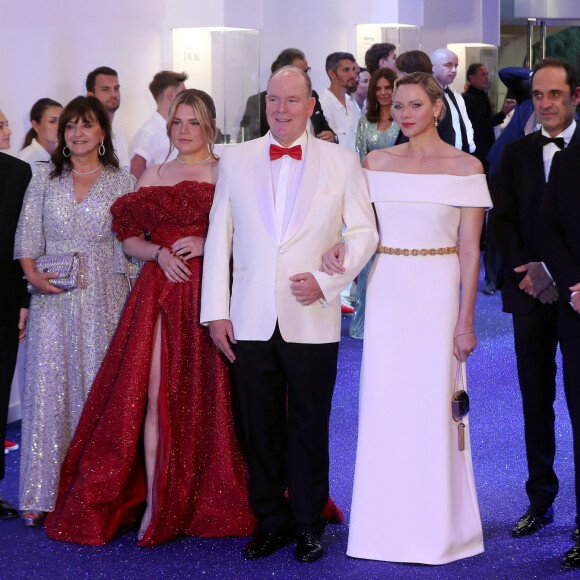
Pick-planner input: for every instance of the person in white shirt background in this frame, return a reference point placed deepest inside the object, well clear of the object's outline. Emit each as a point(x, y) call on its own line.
point(151, 143)
point(42, 138)
point(103, 83)
point(341, 112)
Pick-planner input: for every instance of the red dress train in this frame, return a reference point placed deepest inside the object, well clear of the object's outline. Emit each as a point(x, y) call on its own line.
point(200, 484)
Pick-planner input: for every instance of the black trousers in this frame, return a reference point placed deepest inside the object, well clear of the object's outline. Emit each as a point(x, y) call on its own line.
point(536, 340)
point(8, 354)
point(285, 394)
point(570, 348)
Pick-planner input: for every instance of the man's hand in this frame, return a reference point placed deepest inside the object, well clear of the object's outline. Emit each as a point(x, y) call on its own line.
point(508, 106)
point(222, 333)
point(327, 136)
point(549, 295)
point(306, 289)
point(575, 300)
point(536, 280)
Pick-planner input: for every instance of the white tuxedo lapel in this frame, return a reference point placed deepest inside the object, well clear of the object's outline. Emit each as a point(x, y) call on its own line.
point(263, 186)
point(306, 190)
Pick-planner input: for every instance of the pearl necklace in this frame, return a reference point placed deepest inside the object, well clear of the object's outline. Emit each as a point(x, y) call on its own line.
point(193, 162)
point(87, 172)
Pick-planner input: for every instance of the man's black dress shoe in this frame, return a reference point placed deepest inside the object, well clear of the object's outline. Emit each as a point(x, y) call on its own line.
point(571, 559)
point(532, 521)
point(308, 547)
point(576, 535)
point(265, 544)
point(7, 511)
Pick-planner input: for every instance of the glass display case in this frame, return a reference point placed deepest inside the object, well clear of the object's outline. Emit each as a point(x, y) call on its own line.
point(224, 62)
point(404, 36)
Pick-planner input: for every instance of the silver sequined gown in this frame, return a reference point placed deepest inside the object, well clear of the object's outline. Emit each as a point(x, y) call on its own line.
point(67, 333)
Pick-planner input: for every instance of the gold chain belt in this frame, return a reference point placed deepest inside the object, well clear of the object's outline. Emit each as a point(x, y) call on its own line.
point(422, 252)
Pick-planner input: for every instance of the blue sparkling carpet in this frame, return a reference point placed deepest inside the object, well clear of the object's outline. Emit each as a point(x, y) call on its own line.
point(500, 473)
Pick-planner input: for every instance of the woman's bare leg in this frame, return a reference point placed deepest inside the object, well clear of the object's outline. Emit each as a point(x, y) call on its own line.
point(151, 429)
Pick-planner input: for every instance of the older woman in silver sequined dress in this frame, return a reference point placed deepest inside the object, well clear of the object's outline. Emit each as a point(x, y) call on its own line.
point(66, 210)
point(376, 130)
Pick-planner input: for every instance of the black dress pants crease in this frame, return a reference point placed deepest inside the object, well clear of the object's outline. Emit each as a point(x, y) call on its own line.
point(570, 348)
point(536, 340)
point(285, 394)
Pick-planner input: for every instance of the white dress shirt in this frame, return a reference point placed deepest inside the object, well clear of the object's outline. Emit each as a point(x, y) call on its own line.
point(121, 149)
point(151, 141)
point(286, 176)
point(455, 120)
point(550, 149)
point(34, 155)
point(343, 120)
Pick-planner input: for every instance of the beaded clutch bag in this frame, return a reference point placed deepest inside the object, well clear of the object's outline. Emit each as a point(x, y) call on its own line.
point(69, 267)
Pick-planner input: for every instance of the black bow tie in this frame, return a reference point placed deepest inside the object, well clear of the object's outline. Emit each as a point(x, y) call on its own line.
point(557, 141)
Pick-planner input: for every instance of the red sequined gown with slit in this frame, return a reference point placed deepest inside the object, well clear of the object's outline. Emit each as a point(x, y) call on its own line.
point(200, 483)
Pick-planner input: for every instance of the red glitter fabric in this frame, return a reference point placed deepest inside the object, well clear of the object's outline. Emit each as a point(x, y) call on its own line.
point(200, 485)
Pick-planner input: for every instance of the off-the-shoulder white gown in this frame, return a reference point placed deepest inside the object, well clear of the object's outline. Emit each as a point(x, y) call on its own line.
point(414, 497)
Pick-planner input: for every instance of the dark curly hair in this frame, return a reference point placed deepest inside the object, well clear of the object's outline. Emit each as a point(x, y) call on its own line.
point(90, 110)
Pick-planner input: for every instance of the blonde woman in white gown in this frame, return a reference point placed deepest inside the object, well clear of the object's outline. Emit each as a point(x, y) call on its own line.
point(414, 496)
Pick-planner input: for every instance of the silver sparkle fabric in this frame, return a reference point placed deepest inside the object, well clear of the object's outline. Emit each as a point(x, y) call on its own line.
point(369, 138)
point(67, 333)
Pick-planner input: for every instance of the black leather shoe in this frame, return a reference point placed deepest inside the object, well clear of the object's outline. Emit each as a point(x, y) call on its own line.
point(308, 547)
point(7, 511)
point(571, 559)
point(532, 521)
point(576, 535)
point(265, 544)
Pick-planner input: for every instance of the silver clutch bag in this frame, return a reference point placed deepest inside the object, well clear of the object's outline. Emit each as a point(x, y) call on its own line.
point(69, 268)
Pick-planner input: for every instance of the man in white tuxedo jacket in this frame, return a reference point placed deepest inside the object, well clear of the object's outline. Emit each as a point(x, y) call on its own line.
point(280, 203)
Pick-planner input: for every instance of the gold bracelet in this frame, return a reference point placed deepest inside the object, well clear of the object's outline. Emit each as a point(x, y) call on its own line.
point(422, 252)
point(462, 334)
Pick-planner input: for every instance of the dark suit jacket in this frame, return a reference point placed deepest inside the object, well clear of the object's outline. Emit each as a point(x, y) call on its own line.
point(14, 177)
point(559, 232)
point(516, 196)
point(255, 123)
point(479, 112)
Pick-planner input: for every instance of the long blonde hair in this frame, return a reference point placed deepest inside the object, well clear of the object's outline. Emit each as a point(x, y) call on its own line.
point(204, 109)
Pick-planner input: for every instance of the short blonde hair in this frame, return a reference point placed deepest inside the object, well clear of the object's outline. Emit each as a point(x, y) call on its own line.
point(428, 82)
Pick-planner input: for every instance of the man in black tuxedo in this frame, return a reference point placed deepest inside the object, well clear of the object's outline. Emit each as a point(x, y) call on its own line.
point(559, 241)
point(254, 122)
point(455, 127)
point(14, 177)
point(528, 291)
point(483, 122)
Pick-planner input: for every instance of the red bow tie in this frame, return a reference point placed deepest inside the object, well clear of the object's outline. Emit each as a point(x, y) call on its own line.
point(277, 152)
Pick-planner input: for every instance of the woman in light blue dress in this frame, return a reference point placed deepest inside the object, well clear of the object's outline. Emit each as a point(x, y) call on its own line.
point(376, 130)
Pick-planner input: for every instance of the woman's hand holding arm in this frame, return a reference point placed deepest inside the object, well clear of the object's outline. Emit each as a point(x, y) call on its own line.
point(188, 247)
point(173, 267)
point(333, 259)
